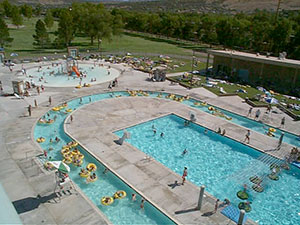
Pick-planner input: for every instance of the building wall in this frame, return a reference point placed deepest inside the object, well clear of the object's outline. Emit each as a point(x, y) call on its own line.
point(270, 76)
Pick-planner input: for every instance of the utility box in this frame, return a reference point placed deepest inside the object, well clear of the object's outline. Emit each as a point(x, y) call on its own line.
point(18, 87)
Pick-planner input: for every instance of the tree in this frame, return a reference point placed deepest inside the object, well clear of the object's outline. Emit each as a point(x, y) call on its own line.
point(117, 25)
point(7, 8)
point(66, 29)
point(26, 10)
point(38, 10)
point(4, 34)
point(16, 17)
point(49, 21)
point(41, 36)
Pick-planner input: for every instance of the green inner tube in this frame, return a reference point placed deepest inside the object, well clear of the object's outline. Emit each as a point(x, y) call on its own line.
point(242, 195)
point(255, 179)
point(273, 176)
point(244, 206)
point(257, 188)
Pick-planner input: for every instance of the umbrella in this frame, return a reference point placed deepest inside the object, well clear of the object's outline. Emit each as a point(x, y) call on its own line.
point(14, 54)
point(61, 166)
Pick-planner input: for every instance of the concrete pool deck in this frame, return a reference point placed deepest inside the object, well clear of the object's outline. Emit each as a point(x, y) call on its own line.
point(22, 177)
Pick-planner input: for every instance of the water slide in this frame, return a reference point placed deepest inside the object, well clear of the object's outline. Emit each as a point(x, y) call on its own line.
point(75, 69)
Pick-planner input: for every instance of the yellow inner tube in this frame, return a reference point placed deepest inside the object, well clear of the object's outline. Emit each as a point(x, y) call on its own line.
point(69, 110)
point(78, 164)
point(272, 129)
point(120, 194)
point(78, 86)
point(80, 156)
point(75, 152)
point(65, 151)
point(90, 180)
point(40, 140)
point(211, 108)
point(107, 200)
point(67, 160)
point(85, 174)
point(91, 167)
point(48, 165)
point(55, 108)
point(204, 103)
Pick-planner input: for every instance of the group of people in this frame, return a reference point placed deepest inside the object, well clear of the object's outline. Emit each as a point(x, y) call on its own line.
point(133, 198)
point(162, 134)
point(221, 132)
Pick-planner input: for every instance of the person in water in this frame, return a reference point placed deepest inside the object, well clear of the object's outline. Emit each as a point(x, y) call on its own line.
point(184, 152)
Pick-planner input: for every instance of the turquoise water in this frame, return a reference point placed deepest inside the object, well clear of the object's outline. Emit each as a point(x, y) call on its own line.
point(58, 79)
point(128, 209)
point(122, 211)
point(222, 165)
point(251, 124)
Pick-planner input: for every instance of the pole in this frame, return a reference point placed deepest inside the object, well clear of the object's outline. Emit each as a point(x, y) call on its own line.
point(193, 62)
point(241, 217)
point(200, 199)
point(277, 11)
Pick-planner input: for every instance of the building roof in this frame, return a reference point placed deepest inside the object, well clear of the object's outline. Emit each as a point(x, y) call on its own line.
point(256, 58)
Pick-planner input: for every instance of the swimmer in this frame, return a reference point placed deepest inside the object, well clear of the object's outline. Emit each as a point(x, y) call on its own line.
point(105, 171)
point(162, 134)
point(184, 152)
point(205, 131)
point(142, 204)
point(154, 131)
point(223, 133)
point(133, 197)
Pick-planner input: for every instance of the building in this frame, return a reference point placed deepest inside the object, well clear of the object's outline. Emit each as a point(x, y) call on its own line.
point(279, 74)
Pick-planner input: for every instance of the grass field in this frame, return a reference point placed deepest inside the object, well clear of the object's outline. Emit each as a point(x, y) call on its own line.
point(138, 46)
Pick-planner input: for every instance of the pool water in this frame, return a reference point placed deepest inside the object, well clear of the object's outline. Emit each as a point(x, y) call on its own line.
point(122, 211)
point(54, 76)
point(108, 184)
point(222, 165)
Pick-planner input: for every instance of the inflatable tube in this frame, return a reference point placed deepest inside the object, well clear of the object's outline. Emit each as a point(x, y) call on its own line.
point(196, 103)
point(257, 188)
point(210, 108)
point(204, 104)
point(270, 134)
point(272, 129)
point(40, 140)
point(65, 151)
point(67, 160)
point(78, 86)
point(274, 165)
point(244, 206)
point(273, 176)
point(91, 180)
point(78, 163)
point(69, 110)
point(84, 174)
point(74, 145)
point(80, 156)
point(107, 200)
point(48, 165)
point(91, 167)
point(75, 152)
point(255, 179)
point(55, 108)
point(242, 195)
point(68, 155)
point(120, 195)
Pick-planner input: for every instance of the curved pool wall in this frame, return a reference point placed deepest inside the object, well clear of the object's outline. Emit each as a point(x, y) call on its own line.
point(221, 164)
point(58, 79)
point(122, 211)
point(57, 129)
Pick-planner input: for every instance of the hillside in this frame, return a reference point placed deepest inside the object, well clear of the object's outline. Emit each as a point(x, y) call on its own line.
point(225, 6)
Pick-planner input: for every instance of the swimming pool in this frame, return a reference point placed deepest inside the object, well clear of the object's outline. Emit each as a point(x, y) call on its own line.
point(122, 211)
point(222, 165)
point(56, 129)
point(55, 75)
